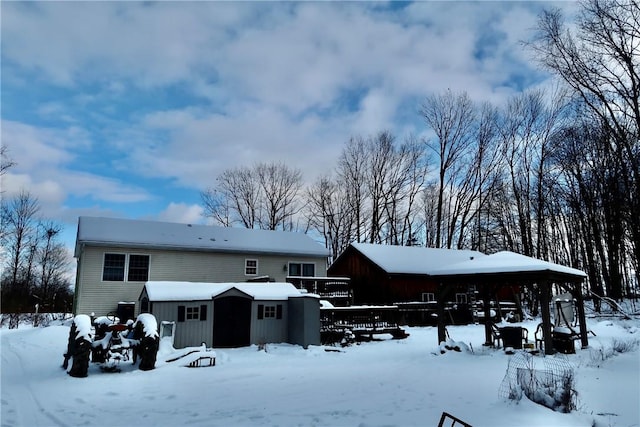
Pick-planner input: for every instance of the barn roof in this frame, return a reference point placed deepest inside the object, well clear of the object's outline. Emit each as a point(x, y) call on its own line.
point(165, 235)
point(413, 259)
point(193, 291)
point(507, 263)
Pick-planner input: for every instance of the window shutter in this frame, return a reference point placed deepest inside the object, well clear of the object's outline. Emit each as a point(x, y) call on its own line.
point(279, 311)
point(260, 311)
point(203, 312)
point(181, 313)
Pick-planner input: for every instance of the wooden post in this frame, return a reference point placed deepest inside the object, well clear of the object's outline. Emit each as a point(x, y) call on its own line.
point(577, 294)
point(486, 306)
point(544, 289)
point(440, 300)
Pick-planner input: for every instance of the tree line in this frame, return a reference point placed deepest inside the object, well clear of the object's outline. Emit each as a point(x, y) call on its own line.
point(35, 263)
point(551, 174)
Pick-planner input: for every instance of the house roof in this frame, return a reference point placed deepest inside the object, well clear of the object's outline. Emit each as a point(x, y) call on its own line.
point(193, 291)
point(166, 235)
point(506, 262)
point(412, 259)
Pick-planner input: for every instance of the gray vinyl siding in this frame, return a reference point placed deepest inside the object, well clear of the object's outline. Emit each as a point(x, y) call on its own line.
point(95, 296)
point(189, 333)
point(304, 321)
point(269, 330)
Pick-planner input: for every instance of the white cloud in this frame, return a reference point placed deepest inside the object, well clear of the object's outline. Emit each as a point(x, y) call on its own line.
point(182, 213)
point(277, 81)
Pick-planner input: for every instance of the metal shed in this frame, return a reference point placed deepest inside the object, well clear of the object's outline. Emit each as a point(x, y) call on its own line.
point(234, 314)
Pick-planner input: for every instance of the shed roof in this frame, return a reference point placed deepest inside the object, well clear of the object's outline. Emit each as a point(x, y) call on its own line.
point(194, 291)
point(507, 262)
point(413, 259)
point(166, 235)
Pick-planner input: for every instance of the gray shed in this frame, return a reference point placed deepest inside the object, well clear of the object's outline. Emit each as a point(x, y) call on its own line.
point(234, 314)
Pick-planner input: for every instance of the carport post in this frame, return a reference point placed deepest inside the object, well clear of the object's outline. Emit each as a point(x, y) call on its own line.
point(486, 307)
point(440, 299)
point(544, 290)
point(577, 294)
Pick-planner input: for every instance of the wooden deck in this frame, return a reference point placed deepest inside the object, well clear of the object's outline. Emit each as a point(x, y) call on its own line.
point(362, 321)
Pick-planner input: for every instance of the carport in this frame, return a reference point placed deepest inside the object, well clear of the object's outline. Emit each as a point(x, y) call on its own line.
point(491, 272)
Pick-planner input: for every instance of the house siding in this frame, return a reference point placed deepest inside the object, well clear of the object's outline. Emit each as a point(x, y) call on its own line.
point(96, 296)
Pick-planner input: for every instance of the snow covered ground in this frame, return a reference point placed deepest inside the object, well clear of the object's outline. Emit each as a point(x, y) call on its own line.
point(383, 383)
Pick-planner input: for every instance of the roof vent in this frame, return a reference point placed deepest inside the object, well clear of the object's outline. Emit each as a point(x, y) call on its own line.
point(188, 225)
point(471, 258)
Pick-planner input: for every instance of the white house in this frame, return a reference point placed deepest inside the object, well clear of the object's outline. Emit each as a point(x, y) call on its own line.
point(116, 257)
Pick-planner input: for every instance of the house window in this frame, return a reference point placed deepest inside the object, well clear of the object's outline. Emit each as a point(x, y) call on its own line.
point(461, 298)
point(428, 296)
point(138, 268)
point(114, 267)
point(117, 267)
point(250, 267)
point(269, 311)
point(302, 269)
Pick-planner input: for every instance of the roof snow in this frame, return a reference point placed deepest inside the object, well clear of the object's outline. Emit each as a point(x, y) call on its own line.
point(413, 259)
point(192, 291)
point(166, 235)
point(505, 262)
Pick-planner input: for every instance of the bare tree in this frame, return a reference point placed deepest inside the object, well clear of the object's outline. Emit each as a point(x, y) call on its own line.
point(600, 61)
point(329, 212)
point(264, 196)
point(235, 199)
point(351, 168)
point(5, 160)
point(451, 117)
point(280, 186)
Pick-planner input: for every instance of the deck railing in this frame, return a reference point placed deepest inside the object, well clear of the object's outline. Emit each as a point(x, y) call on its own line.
point(336, 290)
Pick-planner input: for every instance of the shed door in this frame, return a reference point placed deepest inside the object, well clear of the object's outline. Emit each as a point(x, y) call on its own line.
point(231, 322)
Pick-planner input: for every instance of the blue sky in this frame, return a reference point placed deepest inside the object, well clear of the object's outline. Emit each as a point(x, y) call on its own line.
point(130, 109)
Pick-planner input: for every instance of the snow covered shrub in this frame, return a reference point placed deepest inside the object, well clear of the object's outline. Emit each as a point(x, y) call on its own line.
point(625, 346)
point(548, 381)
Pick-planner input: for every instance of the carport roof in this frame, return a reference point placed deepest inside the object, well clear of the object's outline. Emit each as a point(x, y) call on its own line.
point(509, 263)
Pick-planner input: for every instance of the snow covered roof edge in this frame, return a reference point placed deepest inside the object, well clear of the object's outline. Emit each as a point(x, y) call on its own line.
point(506, 262)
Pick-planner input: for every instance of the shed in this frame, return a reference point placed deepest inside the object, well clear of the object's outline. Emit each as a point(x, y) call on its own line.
point(234, 314)
point(503, 268)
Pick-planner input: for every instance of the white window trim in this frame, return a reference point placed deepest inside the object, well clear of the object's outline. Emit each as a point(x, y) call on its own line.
point(125, 279)
point(302, 263)
point(428, 296)
point(246, 266)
